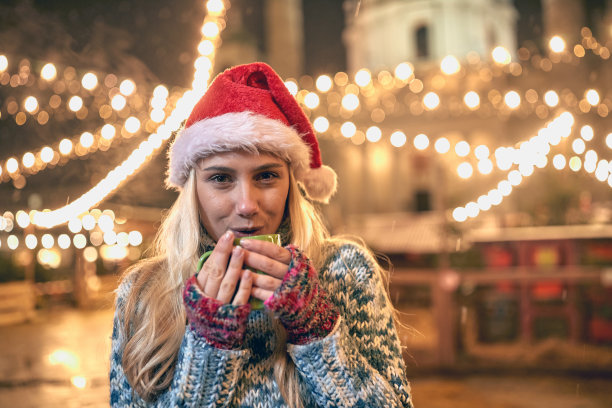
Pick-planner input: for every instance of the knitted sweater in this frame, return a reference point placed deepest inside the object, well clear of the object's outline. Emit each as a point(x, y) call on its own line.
point(359, 364)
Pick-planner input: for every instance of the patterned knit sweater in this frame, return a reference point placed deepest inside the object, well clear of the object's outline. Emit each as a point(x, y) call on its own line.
point(359, 364)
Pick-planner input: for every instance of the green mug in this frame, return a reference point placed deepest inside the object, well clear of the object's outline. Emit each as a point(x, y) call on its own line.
point(256, 304)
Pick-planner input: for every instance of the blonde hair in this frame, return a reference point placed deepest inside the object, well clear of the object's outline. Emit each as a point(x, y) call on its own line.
point(154, 322)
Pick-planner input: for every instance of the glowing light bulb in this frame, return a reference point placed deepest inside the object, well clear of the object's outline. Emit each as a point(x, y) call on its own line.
point(501, 55)
point(12, 242)
point(471, 100)
point(108, 131)
point(373, 134)
point(47, 241)
point(324, 83)
point(421, 141)
point(46, 154)
point(89, 222)
point(75, 103)
point(512, 99)
point(350, 102)
point(63, 241)
point(557, 44)
point(161, 92)
point(132, 124)
point(12, 165)
point(28, 160)
point(575, 163)
point(65, 147)
point(118, 102)
point(472, 209)
point(460, 214)
point(505, 188)
point(465, 170)
point(559, 161)
point(586, 132)
point(311, 100)
point(79, 241)
point(450, 65)
point(48, 72)
point(3, 63)
point(75, 225)
point(481, 152)
point(398, 138)
point(86, 140)
point(206, 47)
point(22, 219)
point(30, 104)
point(321, 124)
point(578, 146)
point(210, 29)
point(403, 71)
point(592, 97)
point(363, 77)
point(551, 98)
point(135, 238)
point(462, 148)
point(485, 166)
point(484, 203)
point(348, 129)
point(89, 81)
point(515, 177)
point(215, 6)
point(609, 140)
point(442, 145)
point(431, 100)
point(31, 241)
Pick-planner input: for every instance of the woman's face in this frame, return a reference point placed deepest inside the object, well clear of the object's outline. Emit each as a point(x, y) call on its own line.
point(242, 192)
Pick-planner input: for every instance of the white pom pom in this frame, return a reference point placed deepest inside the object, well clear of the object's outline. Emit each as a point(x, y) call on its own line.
point(320, 184)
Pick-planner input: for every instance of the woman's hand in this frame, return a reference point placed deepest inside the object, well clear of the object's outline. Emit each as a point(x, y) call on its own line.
point(218, 279)
point(269, 258)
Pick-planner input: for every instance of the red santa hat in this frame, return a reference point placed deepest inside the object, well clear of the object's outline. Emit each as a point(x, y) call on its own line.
point(248, 107)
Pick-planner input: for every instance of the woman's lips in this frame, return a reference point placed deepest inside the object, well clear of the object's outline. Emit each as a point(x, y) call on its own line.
point(246, 232)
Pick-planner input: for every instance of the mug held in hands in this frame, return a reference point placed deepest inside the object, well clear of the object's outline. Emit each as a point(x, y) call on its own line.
point(256, 304)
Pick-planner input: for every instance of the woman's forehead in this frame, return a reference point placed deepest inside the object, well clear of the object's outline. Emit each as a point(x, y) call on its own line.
point(238, 159)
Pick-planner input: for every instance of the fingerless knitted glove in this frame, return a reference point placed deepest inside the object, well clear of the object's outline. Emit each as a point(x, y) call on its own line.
point(300, 302)
point(223, 325)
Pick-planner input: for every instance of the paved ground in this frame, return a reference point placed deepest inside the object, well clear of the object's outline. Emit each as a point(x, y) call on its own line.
point(61, 360)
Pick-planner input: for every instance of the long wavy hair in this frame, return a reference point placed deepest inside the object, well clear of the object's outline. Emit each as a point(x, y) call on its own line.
point(154, 316)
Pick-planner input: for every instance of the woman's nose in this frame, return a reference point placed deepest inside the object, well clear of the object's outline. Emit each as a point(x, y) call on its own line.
point(246, 202)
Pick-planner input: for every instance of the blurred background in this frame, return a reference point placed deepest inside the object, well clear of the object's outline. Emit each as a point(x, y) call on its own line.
point(471, 138)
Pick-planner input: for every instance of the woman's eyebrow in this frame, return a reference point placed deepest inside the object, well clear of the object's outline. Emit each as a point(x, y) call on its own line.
point(232, 170)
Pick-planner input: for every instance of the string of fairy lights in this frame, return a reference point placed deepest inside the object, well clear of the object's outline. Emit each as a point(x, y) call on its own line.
point(367, 98)
point(115, 106)
point(78, 214)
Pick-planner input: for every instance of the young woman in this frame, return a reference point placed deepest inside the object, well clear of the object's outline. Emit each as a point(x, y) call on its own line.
point(247, 163)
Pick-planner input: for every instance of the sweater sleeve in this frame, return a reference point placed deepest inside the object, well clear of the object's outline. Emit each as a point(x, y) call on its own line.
point(204, 376)
point(359, 364)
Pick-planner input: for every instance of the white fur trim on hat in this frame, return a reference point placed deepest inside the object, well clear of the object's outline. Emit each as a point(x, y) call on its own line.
point(253, 133)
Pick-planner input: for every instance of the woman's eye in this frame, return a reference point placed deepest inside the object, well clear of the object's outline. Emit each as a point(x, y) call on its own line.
point(220, 178)
point(267, 176)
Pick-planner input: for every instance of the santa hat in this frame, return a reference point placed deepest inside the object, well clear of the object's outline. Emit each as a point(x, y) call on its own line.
point(248, 107)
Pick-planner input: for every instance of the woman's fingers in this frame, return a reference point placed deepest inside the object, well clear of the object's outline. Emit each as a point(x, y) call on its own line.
point(266, 282)
point(268, 249)
point(244, 289)
point(214, 268)
point(261, 294)
point(232, 275)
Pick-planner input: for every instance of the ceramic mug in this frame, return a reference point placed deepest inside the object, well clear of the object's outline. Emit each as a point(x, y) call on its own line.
point(256, 304)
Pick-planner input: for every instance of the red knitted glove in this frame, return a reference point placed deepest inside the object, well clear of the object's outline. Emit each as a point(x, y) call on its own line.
point(223, 325)
point(300, 302)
